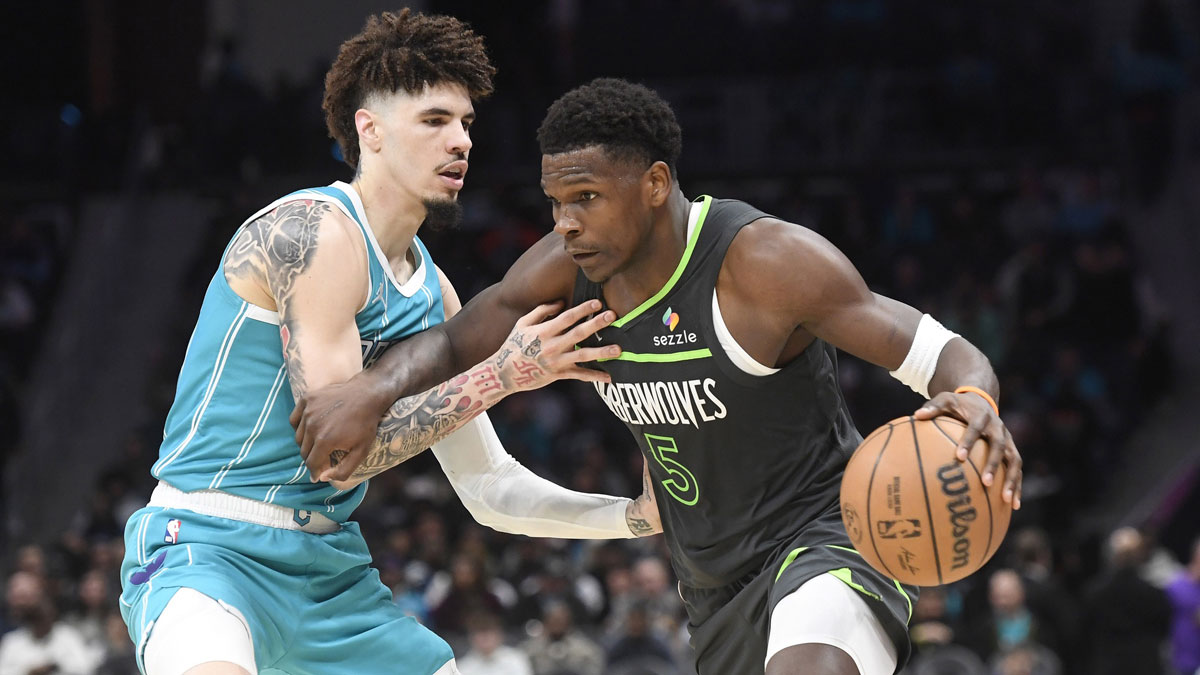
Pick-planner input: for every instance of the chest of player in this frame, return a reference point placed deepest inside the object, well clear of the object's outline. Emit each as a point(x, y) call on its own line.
point(666, 375)
point(393, 313)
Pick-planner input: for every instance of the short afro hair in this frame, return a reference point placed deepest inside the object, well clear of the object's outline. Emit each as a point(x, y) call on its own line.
point(628, 120)
point(401, 51)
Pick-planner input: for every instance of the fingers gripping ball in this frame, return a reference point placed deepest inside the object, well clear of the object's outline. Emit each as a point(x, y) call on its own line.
point(914, 511)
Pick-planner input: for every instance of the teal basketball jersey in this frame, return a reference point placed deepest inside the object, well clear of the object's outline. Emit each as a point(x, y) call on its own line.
point(228, 428)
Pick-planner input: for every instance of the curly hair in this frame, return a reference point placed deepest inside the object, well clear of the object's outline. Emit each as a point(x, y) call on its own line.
point(628, 120)
point(401, 51)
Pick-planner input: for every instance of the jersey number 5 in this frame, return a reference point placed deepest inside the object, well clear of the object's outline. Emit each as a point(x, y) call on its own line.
point(682, 484)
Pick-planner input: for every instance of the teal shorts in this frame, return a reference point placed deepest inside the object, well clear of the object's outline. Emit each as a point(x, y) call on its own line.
point(313, 603)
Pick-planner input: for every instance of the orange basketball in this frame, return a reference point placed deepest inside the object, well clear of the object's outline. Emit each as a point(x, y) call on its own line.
point(914, 511)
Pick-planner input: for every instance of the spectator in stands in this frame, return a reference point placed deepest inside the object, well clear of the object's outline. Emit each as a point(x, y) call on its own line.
point(468, 595)
point(20, 595)
point(931, 626)
point(555, 581)
point(488, 654)
point(1026, 659)
point(637, 645)
point(95, 602)
point(1184, 593)
point(1127, 618)
point(1045, 595)
point(654, 586)
point(43, 644)
point(560, 648)
point(1009, 624)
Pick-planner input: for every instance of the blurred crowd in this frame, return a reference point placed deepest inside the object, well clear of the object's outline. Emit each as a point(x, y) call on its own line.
point(1029, 257)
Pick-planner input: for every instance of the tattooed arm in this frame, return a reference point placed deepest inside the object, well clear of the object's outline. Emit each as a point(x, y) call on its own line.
point(539, 350)
point(641, 514)
point(306, 261)
point(342, 422)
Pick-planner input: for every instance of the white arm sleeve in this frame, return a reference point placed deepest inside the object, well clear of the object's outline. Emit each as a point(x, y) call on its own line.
point(504, 495)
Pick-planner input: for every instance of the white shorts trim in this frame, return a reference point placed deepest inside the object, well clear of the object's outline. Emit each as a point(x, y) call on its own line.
point(824, 610)
point(194, 629)
point(234, 507)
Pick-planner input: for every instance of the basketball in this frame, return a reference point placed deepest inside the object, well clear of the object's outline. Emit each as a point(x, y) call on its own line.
point(914, 511)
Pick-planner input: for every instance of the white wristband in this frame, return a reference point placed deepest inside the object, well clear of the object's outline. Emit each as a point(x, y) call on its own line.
point(501, 493)
point(921, 363)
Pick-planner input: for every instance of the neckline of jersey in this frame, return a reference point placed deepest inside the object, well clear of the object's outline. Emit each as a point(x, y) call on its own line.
point(695, 224)
point(414, 282)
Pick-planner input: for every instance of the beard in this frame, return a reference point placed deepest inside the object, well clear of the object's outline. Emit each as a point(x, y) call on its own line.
point(442, 214)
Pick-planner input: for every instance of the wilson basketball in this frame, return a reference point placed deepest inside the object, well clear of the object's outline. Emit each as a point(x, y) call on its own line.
point(914, 511)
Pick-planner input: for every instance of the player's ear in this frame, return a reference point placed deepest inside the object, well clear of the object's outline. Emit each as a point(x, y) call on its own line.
point(368, 131)
point(657, 182)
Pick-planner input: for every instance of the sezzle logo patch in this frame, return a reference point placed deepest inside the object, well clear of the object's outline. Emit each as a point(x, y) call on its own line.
point(671, 321)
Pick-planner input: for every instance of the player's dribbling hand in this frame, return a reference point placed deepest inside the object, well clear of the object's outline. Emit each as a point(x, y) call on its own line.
point(542, 347)
point(982, 423)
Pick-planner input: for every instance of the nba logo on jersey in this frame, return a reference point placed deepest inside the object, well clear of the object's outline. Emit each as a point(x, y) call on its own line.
point(172, 531)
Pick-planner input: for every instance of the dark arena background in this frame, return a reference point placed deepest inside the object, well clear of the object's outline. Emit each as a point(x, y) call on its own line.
point(1026, 171)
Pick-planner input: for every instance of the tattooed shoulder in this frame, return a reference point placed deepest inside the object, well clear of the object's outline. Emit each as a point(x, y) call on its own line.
point(278, 246)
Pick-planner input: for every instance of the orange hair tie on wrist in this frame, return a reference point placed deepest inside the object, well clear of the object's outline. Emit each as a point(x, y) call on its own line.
point(986, 396)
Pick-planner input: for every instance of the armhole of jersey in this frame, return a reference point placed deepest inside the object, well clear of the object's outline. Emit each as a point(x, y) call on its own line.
point(734, 351)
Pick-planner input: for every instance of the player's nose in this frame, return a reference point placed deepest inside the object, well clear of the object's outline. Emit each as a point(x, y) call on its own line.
point(460, 140)
point(567, 226)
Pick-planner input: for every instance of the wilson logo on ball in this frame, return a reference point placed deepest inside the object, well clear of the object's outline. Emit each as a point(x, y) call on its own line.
point(962, 513)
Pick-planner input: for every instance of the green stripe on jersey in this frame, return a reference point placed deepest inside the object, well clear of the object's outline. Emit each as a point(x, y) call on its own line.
point(663, 358)
point(687, 255)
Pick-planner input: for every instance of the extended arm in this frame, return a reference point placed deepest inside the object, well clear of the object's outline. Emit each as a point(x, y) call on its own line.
point(539, 350)
point(501, 493)
point(344, 418)
point(791, 283)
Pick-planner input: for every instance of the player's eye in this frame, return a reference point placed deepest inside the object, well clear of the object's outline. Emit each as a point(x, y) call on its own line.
point(587, 196)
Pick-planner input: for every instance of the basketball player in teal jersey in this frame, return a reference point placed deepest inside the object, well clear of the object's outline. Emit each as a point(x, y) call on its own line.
point(242, 562)
point(729, 324)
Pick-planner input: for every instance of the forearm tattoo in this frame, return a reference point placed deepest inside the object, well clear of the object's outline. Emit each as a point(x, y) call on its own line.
point(637, 517)
point(275, 250)
point(417, 422)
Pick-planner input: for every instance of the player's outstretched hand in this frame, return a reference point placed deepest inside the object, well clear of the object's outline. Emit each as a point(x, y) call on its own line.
point(982, 422)
point(542, 347)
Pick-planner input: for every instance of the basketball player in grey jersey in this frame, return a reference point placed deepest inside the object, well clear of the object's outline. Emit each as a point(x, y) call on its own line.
point(728, 323)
